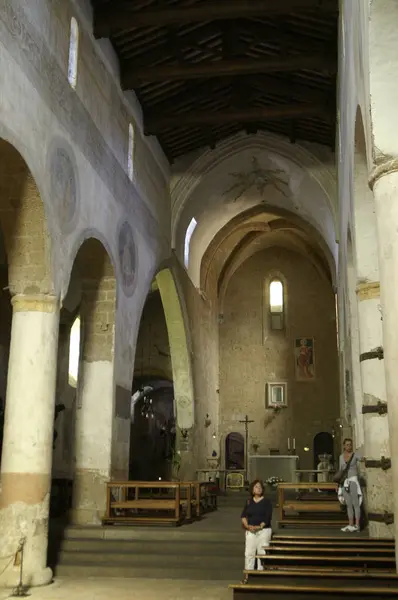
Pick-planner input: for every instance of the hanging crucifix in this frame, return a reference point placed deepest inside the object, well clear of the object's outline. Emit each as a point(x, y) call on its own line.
point(246, 423)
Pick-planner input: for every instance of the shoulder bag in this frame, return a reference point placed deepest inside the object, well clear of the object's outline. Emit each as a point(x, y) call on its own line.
point(341, 474)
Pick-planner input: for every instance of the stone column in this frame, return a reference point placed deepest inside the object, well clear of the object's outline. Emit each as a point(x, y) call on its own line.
point(384, 181)
point(95, 403)
point(28, 436)
point(376, 430)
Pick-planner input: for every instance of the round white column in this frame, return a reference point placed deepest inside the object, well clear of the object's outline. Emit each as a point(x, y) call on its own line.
point(376, 429)
point(28, 436)
point(385, 188)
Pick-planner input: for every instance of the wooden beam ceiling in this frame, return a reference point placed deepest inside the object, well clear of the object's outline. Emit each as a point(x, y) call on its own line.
point(119, 16)
point(131, 75)
point(156, 123)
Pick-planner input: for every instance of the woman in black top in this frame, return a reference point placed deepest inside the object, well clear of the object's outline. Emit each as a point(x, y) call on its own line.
point(256, 520)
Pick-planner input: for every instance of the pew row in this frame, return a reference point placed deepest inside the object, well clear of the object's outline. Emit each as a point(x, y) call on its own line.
point(320, 508)
point(335, 541)
point(149, 502)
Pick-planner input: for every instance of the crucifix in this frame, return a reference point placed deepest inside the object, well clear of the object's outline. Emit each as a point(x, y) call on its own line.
point(246, 423)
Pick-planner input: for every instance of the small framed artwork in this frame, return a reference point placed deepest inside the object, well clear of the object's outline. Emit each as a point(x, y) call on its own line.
point(276, 394)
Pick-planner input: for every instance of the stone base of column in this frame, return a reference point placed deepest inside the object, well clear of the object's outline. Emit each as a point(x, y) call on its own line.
point(21, 521)
point(379, 500)
point(89, 497)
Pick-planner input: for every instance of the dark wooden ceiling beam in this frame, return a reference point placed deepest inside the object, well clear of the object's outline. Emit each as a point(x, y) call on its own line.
point(118, 16)
point(153, 124)
point(131, 76)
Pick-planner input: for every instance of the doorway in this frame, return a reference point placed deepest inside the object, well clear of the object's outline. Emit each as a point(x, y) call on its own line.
point(323, 444)
point(234, 451)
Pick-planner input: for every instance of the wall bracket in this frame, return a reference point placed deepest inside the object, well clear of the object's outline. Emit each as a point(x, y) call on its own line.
point(384, 463)
point(375, 353)
point(380, 408)
point(386, 517)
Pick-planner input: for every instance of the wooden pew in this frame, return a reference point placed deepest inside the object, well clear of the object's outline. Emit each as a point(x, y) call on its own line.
point(324, 510)
point(316, 539)
point(337, 541)
point(333, 550)
point(165, 507)
point(354, 562)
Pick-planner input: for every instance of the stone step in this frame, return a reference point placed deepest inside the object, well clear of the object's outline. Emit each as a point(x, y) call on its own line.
point(183, 547)
point(149, 560)
point(81, 570)
point(186, 532)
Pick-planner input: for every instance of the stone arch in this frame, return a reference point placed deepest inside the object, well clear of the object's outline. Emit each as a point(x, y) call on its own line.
point(24, 226)
point(183, 187)
point(179, 349)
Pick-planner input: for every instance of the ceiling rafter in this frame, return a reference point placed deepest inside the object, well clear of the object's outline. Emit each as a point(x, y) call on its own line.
point(119, 16)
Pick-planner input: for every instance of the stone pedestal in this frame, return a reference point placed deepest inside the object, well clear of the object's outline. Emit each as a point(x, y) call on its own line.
point(28, 437)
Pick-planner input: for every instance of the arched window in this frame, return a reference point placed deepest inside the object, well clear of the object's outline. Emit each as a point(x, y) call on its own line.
point(74, 352)
point(188, 235)
point(73, 52)
point(130, 155)
point(276, 304)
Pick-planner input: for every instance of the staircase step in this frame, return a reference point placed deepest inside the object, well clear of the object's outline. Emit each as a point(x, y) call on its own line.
point(176, 547)
point(82, 570)
point(147, 560)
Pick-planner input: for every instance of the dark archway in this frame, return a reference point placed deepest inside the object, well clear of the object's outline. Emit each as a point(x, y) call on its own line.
point(323, 444)
point(234, 451)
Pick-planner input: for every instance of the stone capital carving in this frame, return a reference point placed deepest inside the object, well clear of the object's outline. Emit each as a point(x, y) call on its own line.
point(35, 303)
point(390, 165)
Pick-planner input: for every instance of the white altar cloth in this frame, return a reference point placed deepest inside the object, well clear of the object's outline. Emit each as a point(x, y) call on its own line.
point(263, 466)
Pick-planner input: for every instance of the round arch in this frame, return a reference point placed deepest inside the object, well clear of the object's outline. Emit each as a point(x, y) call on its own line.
point(179, 349)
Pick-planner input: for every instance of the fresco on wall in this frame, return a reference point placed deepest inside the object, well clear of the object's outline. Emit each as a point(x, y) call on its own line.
point(63, 186)
point(304, 359)
point(257, 178)
point(127, 257)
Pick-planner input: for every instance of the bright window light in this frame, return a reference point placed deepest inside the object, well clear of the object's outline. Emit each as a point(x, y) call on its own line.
point(276, 296)
point(74, 352)
point(73, 52)
point(188, 235)
point(130, 155)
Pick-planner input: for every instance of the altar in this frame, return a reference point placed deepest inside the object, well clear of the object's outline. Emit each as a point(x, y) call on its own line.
point(278, 465)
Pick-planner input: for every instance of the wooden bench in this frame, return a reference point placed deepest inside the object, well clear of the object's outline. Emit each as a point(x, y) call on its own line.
point(335, 550)
point(332, 541)
point(321, 511)
point(165, 507)
point(355, 562)
point(319, 590)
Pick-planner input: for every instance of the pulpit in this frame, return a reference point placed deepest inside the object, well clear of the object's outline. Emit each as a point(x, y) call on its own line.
point(279, 465)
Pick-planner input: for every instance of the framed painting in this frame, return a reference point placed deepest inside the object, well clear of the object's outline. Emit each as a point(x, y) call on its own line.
point(304, 359)
point(276, 394)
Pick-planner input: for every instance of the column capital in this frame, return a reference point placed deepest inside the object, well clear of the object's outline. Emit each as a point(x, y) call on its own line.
point(368, 291)
point(389, 165)
point(35, 303)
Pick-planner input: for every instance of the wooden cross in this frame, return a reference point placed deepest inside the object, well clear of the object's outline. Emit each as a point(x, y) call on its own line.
point(246, 422)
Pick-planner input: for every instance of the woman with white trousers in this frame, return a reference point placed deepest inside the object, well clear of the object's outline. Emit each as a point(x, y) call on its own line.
point(256, 520)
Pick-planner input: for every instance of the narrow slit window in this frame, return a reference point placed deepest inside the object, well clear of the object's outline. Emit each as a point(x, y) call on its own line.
point(276, 304)
point(188, 235)
point(73, 52)
point(74, 352)
point(130, 155)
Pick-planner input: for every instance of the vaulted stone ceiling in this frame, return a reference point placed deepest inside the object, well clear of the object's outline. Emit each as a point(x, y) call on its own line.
point(206, 69)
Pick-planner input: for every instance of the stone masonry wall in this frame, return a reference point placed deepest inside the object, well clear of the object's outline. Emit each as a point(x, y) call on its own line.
point(251, 355)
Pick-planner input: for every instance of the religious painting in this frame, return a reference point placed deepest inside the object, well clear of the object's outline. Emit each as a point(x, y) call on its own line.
point(304, 359)
point(63, 182)
point(276, 394)
point(127, 257)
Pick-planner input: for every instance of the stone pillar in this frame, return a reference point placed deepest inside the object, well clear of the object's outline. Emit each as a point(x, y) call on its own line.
point(95, 403)
point(28, 436)
point(376, 431)
point(384, 181)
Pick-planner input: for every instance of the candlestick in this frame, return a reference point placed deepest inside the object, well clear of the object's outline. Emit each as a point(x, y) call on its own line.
point(294, 443)
point(288, 443)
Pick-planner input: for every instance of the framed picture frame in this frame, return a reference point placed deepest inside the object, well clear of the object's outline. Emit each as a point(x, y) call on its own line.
point(276, 394)
point(304, 359)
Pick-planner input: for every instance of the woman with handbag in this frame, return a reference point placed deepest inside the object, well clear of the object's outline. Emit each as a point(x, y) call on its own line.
point(349, 490)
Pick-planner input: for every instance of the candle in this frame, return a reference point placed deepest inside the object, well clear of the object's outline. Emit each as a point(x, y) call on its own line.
point(288, 443)
point(294, 443)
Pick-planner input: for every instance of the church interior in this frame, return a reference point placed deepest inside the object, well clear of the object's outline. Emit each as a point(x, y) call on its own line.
point(198, 291)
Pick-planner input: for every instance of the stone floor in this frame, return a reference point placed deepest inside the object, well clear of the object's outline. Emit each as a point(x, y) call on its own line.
point(129, 589)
